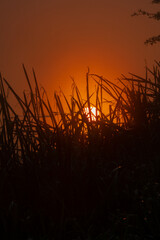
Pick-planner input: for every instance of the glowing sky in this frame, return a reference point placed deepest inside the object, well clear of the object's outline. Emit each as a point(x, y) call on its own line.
point(61, 38)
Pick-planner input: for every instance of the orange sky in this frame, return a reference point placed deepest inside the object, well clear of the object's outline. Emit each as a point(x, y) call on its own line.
point(61, 38)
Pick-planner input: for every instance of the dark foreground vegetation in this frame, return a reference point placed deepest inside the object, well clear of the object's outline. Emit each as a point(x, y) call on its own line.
point(67, 178)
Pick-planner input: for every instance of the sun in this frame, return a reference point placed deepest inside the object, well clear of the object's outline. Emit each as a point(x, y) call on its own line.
point(93, 113)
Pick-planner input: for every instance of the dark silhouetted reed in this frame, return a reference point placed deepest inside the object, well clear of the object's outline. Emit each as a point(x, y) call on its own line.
point(65, 176)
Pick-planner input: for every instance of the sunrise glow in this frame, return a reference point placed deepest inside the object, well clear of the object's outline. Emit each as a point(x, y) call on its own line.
point(93, 113)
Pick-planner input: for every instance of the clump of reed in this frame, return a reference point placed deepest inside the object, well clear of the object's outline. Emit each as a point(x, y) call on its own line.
point(66, 176)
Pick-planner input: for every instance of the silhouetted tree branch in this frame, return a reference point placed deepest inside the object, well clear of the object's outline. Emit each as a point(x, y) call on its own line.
point(155, 16)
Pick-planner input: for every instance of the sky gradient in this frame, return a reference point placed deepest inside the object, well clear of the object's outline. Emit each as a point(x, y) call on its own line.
point(61, 38)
